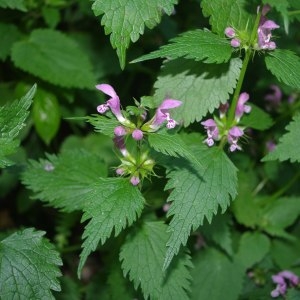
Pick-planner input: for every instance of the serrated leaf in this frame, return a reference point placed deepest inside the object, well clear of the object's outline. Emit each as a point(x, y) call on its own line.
point(257, 119)
point(289, 144)
point(197, 195)
point(126, 20)
point(61, 62)
point(28, 266)
point(12, 118)
point(142, 258)
point(113, 204)
point(13, 4)
point(46, 115)
point(224, 13)
point(201, 87)
point(253, 246)
point(9, 34)
point(285, 65)
point(103, 124)
point(65, 181)
point(216, 277)
point(198, 45)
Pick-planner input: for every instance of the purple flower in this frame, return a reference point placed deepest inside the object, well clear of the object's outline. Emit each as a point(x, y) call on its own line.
point(293, 278)
point(282, 279)
point(274, 98)
point(235, 43)
point(162, 114)
point(270, 145)
point(233, 136)
point(212, 131)
point(223, 108)
point(120, 144)
point(135, 180)
point(137, 134)
point(120, 131)
point(241, 108)
point(120, 171)
point(264, 32)
point(113, 103)
point(230, 32)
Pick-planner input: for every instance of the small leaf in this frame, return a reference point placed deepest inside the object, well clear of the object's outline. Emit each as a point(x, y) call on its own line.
point(13, 4)
point(61, 62)
point(201, 87)
point(113, 203)
point(28, 266)
point(126, 20)
point(198, 45)
point(224, 13)
point(46, 115)
point(289, 144)
point(142, 258)
point(103, 124)
point(285, 65)
point(65, 181)
point(197, 195)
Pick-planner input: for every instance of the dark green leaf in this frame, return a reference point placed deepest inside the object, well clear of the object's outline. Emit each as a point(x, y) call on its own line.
point(13, 4)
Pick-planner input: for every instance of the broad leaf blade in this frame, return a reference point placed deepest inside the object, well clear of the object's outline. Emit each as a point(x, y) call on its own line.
point(28, 266)
point(198, 195)
point(126, 20)
point(142, 258)
point(285, 65)
point(201, 87)
point(198, 45)
point(113, 203)
point(65, 181)
point(61, 62)
point(289, 144)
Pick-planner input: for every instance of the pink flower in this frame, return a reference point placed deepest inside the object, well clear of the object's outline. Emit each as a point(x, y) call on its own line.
point(264, 32)
point(120, 171)
point(235, 43)
point(233, 136)
point(223, 108)
point(120, 144)
point(230, 32)
point(135, 180)
point(274, 97)
point(113, 103)
point(212, 131)
point(137, 134)
point(241, 108)
point(282, 280)
point(120, 131)
point(162, 114)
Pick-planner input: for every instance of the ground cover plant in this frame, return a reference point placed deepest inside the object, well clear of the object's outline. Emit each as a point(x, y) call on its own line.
point(149, 149)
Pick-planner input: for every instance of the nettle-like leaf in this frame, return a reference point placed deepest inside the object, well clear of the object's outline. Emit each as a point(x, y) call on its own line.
point(28, 266)
point(9, 35)
point(114, 203)
point(61, 62)
point(65, 181)
point(198, 194)
point(125, 20)
point(201, 87)
point(224, 13)
point(198, 45)
point(12, 118)
point(289, 143)
point(285, 65)
point(103, 124)
point(215, 276)
point(13, 4)
point(142, 258)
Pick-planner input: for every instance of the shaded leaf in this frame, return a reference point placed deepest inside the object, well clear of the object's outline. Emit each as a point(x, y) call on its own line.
point(103, 124)
point(13, 4)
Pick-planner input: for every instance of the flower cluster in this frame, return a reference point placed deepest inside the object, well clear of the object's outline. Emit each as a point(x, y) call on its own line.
point(283, 280)
point(139, 166)
point(217, 128)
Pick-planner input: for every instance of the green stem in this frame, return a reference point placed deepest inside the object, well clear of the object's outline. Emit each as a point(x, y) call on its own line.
point(231, 113)
point(294, 12)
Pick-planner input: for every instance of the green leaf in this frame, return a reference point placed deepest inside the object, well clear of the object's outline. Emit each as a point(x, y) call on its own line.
point(198, 45)
point(198, 195)
point(114, 203)
point(13, 4)
point(224, 13)
point(103, 124)
point(28, 266)
point(9, 35)
point(55, 58)
point(46, 115)
point(216, 277)
point(201, 87)
point(257, 119)
point(285, 65)
point(12, 118)
point(125, 20)
point(253, 246)
point(66, 181)
point(293, 294)
point(289, 144)
point(70, 290)
point(142, 258)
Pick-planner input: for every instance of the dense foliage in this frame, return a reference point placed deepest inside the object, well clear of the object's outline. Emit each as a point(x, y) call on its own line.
point(149, 149)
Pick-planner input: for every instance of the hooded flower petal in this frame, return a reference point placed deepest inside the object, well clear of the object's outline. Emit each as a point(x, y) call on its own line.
point(212, 131)
point(264, 32)
point(241, 108)
point(233, 136)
